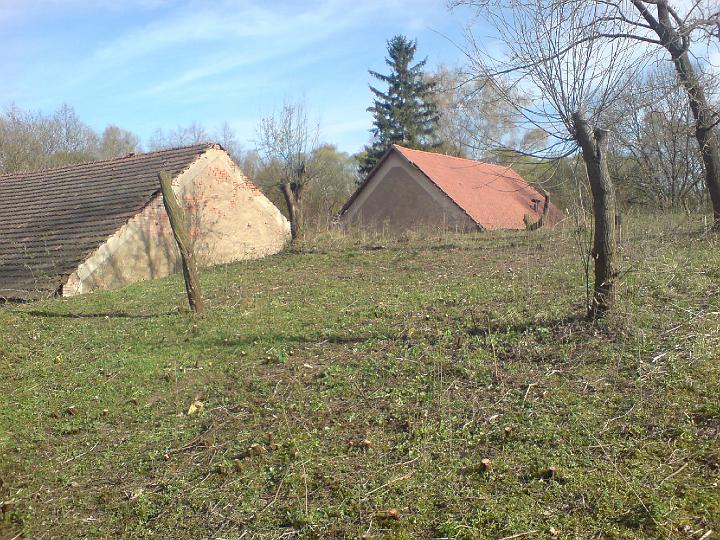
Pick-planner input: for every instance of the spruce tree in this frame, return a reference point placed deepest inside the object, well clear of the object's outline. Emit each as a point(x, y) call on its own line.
point(405, 114)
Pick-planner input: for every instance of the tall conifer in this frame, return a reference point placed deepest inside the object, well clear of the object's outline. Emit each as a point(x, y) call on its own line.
point(405, 114)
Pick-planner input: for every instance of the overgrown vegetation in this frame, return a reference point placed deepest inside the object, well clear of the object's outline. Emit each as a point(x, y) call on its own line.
point(363, 400)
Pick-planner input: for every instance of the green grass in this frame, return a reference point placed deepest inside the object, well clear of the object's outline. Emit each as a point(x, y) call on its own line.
point(376, 375)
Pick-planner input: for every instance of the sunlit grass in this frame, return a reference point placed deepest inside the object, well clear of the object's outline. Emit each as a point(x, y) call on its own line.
point(374, 375)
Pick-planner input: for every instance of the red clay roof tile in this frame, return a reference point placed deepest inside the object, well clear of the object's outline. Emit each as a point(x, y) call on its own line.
point(495, 196)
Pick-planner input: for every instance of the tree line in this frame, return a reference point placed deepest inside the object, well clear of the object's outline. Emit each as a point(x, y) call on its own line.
point(468, 111)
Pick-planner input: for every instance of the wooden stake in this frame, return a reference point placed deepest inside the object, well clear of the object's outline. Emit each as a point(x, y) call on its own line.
point(182, 237)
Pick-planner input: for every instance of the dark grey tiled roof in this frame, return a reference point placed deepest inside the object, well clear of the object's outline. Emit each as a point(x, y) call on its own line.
point(51, 220)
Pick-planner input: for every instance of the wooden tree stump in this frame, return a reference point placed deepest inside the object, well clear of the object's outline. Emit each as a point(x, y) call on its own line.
point(182, 237)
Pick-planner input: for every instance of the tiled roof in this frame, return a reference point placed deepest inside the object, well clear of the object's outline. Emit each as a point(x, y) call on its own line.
point(494, 196)
point(51, 220)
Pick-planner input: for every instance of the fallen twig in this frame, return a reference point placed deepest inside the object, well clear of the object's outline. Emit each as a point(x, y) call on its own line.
point(398, 479)
point(528, 390)
point(80, 455)
point(669, 476)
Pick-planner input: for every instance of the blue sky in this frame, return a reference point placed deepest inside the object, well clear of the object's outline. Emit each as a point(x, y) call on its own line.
point(147, 64)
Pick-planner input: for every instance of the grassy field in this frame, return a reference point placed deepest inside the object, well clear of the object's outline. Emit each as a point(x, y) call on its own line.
point(353, 387)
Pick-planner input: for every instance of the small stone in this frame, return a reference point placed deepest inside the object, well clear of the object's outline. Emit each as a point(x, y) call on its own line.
point(365, 444)
point(393, 513)
point(7, 507)
point(256, 450)
point(195, 406)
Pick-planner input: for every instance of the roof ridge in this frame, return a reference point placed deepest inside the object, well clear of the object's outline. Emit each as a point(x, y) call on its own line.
point(130, 156)
point(475, 161)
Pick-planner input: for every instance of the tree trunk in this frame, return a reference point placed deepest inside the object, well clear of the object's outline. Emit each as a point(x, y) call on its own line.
point(704, 132)
point(594, 145)
point(677, 45)
point(293, 192)
point(177, 224)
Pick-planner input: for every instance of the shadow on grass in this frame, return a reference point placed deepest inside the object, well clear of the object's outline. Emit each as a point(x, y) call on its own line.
point(101, 315)
point(577, 321)
point(306, 339)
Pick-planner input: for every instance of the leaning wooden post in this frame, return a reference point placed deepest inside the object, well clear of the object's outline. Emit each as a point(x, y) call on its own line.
point(177, 224)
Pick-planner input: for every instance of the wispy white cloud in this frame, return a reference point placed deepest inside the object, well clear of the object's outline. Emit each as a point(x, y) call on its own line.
point(12, 11)
point(160, 63)
point(218, 22)
point(266, 38)
point(222, 37)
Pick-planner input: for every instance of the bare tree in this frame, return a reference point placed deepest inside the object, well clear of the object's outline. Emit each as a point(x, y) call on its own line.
point(116, 142)
point(72, 136)
point(655, 152)
point(26, 140)
point(662, 24)
point(474, 116)
point(286, 141)
point(194, 133)
point(176, 216)
point(35, 140)
point(551, 51)
point(674, 33)
point(226, 136)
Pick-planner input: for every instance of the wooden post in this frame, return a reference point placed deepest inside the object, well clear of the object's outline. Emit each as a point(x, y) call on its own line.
point(177, 223)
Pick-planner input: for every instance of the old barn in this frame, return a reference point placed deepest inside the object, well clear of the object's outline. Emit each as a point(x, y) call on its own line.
point(411, 189)
point(102, 225)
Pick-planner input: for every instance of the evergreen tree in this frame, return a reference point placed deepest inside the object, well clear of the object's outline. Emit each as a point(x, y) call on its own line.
point(405, 114)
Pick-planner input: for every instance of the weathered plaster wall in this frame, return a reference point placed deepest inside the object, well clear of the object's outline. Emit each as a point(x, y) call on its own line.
point(229, 219)
point(399, 197)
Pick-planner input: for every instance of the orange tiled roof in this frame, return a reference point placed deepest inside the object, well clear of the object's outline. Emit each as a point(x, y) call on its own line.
point(494, 196)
